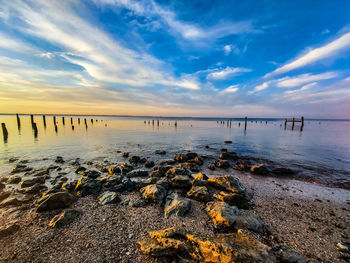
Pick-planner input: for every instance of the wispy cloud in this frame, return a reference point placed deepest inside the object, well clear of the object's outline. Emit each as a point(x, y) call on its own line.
point(289, 82)
point(302, 89)
point(190, 31)
point(331, 49)
point(225, 73)
point(261, 87)
point(230, 48)
point(230, 89)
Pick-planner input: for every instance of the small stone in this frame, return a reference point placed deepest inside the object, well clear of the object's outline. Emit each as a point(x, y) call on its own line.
point(108, 198)
point(259, 169)
point(65, 218)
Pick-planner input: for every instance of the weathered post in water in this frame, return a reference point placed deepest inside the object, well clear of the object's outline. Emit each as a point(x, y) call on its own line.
point(85, 122)
point(54, 120)
point(18, 122)
point(293, 122)
point(92, 121)
point(302, 124)
point(157, 122)
point(56, 128)
point(285, 124)
point(63, 121)
point(72, 127)
point(245, 123)
point(44, 121)
point(4, 132)
point(71, 120)
point(35, 128)
point(31, 119)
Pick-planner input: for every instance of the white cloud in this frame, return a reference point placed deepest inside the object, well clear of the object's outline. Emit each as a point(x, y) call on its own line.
point(261, 87)
point(289, 82)
point(231, 89)
point(225, 73)
point(302, 89)
point(150, 9)
point(230, 48)
point(331, 49)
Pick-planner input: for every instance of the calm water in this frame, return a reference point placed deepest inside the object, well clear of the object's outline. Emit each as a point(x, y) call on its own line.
point(321, 152)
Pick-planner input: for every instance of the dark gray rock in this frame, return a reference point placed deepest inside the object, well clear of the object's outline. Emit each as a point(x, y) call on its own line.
point(176, 205)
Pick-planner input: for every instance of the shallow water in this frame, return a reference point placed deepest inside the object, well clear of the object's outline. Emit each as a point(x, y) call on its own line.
point(321, 152)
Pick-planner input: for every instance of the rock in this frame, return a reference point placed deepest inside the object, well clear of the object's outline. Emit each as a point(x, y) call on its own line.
point(2, 186)
point(224, 164)
point(228, 142)
point(126, 168)
point(189, 165)
point(134, 202)
point(76, 162)
point(41, 173)
point(114, 170)
point(289, 255)
point(20, 168)
point(12, 160)
point(108, 198)
point(228, 156)
point(149, 164)
point(154, 193)
point(65, 218)
point(164, 181)
point(222, 214)
point(55, 201)
point(89, 163)
point(174, 204)
point(207, 147)
point(200, 180)
point(250, 221)
point(4, 195)
point(181, 181)
point(113, 181)
point(283, 171)
point(142, 182)
point(233, 247)
point(228, 183)
point(134, 159)
point(87, 186)
point(259, 169)
point(8, 230)
point(93, 174)
point(35, 189)
point(233, 199)
point(161, 152)
point(242, 166)
point(223, 150)
point(199, 193)
point(177, 171)
point(124, 154)
point(11, 201)
point(160, 171)
point(80, 170)
point(59, 159)
point(70, 186)
point(198, 160)
point(137, 173)
point(342, 247)
point(32, 181)
point(167, 161)
point(184, 157)
point(143, 160)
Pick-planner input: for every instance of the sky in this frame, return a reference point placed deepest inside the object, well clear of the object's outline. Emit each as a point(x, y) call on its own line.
point(176, 58)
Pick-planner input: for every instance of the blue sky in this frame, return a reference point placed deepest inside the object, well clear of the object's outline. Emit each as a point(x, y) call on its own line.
point(185, 58)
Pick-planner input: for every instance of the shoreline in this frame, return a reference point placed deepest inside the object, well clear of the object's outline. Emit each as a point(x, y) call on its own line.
point(308, 218)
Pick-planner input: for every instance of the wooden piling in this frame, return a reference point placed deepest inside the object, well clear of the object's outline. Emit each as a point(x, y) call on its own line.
point(85, 121)
point(157, 122)
point(71, 120)
point(4, 132)
point(18, 122)
point(92, 121)
point(32, 119)
point(56, 128)
point(285, 124)
point(302, 123)
point(72, 127)
point(54, 120)
point(79, 121)
point(63, 121)
point(44, 121)
point(293, 122)
point(153, 122)
point(175, 123)
point(35, 128)
point(245, 123)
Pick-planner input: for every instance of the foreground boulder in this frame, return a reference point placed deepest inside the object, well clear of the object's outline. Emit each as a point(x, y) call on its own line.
point(32, 181)
point(65, 218)
point(87, 186)
point(233, 199)
point(224, 164)
point(154, 193)
point(55, 201)
point(228, 183)
point(199, 193)
point(108, 198)
point(20, 168)
point(184, 157)
point(137, 173)
point(233, 247)
point(174, 204)
point(226, 216)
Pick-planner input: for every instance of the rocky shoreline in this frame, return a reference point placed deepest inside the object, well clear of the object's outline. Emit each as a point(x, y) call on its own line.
point(172, 210)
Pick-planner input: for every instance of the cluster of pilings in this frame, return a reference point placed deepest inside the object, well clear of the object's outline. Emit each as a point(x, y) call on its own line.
point(158, 122)
point(35, 127)
point(229, 123)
